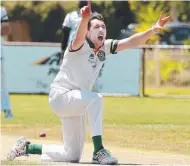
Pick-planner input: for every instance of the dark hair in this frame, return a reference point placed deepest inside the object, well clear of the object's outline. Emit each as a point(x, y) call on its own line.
point(95, 16)
point(82, 4)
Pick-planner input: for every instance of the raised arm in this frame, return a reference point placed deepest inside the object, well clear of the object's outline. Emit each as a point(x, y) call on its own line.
point(82, 29)
point(140, 38)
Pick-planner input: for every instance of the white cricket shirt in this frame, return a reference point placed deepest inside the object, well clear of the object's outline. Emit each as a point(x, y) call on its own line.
point(4, 16)
point(80, 69)
point(72, 20)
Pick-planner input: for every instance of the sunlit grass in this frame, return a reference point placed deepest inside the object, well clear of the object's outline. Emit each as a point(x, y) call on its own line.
point(140, 123)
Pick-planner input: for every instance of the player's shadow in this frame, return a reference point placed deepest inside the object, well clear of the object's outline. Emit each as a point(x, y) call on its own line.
point(134, 164)
point(89, 163)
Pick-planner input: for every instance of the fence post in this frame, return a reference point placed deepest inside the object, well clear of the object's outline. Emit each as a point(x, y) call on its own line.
point(143, 72)
point(157, 67)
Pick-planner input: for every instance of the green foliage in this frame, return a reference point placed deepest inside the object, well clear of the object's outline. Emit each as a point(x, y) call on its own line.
point(183, 10)
point(46, 17)
point(148, 12)
point(171, 69)
point(187, 42)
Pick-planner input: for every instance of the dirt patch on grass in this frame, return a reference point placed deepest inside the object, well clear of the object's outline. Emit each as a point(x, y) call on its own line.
point(125, 156)
point(144, 137)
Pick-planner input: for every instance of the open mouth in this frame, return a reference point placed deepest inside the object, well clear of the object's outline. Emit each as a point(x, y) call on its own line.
point(100, 38)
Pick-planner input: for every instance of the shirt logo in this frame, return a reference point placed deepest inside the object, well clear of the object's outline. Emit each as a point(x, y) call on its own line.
point(101, 55)
point(91, 58)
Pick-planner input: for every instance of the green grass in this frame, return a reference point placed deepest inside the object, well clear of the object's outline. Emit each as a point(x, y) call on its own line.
point(141, 123)
point(167, 91)
point(130, 111)
point(34, 109)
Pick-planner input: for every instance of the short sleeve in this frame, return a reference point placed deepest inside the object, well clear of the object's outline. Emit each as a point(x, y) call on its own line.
point(83, 49)
point(4, 16)
point(111, 46)
point(67, 21)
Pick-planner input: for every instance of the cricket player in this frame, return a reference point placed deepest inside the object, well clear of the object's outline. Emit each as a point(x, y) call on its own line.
point(5, 101)
point(69, 28)
point(70, 25)
point(71, 97)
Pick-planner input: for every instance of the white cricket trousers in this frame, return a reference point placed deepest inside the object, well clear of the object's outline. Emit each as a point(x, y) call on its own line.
point(5, 100)
point(72, 108)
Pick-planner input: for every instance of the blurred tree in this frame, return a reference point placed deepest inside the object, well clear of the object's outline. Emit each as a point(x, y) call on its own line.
point(52, 25)
point(148, 12)
point(46, 17)
point(182, 9)
point(187, 42)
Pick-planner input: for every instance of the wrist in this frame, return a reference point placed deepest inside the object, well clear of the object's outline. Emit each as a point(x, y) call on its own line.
point(153, 29)
point(85, 18)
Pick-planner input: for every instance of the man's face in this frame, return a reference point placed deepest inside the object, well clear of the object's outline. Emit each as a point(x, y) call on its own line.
point(97, 32)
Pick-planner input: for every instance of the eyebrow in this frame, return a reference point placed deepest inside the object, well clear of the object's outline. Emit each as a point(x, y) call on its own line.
point(100, 25)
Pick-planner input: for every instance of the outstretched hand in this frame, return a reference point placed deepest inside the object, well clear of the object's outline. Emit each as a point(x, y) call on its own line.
point(86, 10)
point(160, 23)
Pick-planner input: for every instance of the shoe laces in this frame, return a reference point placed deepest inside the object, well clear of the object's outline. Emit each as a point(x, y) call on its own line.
point(103, 153)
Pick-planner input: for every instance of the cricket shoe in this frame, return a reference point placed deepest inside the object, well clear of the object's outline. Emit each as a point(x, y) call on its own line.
point(104, 157)
point(8, 114)
point(19, 149)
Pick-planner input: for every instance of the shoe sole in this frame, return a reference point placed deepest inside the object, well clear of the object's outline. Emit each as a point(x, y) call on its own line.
point(108, 163)
point(9, 117)
point(11, 156)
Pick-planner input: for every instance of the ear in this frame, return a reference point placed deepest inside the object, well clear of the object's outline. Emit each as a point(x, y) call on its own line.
point(88, 34)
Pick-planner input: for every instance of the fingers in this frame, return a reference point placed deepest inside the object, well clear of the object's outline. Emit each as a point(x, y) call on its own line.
point(161, 15)
point(165, 20)
point(89, 5)
point(85, 12)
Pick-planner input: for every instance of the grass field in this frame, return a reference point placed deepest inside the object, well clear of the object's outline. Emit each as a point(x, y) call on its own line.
point(154, 124)
point(168, 91)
